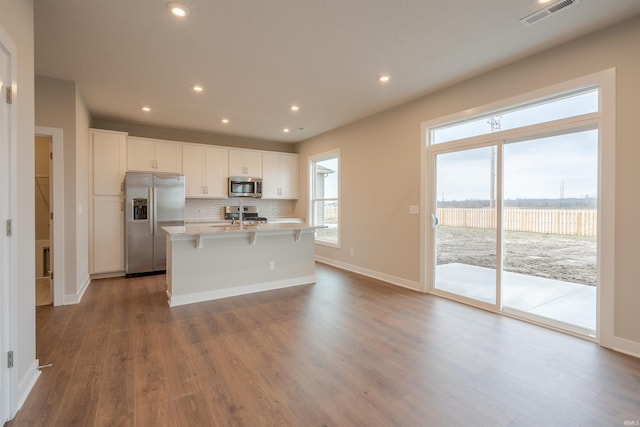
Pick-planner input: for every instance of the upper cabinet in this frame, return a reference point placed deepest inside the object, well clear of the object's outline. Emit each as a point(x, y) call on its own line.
point(245, 163)
point(151, 155)
point(279, 176)
point(206, 171)
point(109, 162)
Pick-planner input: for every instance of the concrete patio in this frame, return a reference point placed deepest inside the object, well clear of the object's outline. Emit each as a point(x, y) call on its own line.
point(565, 302)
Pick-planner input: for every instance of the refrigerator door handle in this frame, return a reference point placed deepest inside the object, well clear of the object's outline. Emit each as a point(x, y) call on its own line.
point(155, 209)
point(152, 213)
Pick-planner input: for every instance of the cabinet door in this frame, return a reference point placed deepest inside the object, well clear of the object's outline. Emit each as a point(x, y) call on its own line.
point(236, 163)
point(193, 168)
point(270, 176)
point(216, 172)
point(109, 162)
point(108, 234)
point(280, 176)
point(245, 163)
point(140, 156)
point(168, 157)
point(253, 162)
point(288, 176)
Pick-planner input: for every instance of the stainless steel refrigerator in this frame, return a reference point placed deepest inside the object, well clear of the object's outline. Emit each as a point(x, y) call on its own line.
point(153, 201)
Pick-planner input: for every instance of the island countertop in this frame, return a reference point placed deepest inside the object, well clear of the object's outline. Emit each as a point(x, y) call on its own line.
point(201, 232)
point(223, 228)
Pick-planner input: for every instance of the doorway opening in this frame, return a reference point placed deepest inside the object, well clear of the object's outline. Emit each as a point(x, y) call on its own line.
point(43, 220)
point(49, 250)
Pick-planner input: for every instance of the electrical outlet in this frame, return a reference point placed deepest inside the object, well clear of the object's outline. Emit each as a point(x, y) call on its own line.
point(414, 209)
point(272, 265)
point(352, 252)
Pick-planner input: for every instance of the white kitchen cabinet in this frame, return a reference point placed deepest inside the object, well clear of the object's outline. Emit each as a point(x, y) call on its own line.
point(107, 169)
point(151, 155)
point(109, 162)
point(245, 163)
point(206, 171)
point(108, 234)
point(279, 176)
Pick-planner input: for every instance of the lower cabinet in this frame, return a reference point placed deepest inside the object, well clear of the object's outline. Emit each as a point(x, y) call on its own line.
point(108, 234)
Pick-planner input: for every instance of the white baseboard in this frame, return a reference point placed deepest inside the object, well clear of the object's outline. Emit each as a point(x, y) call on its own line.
point(394, 280)
point(625, 346)
point(26, 385)
point(107, 275)
point(176, 300)
point(77, 297)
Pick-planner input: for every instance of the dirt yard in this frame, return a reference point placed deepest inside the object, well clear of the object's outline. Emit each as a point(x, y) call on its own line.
point(566, 258)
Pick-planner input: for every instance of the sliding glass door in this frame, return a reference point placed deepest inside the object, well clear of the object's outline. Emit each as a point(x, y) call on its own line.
point(464, 223)
point(550, 228)
point(515, 226)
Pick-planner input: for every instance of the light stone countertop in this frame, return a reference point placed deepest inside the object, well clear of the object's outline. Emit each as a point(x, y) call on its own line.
point(200, 232)
point(226, 227)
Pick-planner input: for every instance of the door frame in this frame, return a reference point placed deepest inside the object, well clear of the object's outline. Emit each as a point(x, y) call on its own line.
point(9, 262)
point(57, 174)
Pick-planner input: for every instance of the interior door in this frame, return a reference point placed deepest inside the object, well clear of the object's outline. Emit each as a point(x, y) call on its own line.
point(464, 218)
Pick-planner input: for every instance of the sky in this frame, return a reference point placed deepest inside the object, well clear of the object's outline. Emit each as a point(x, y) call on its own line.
point(564, 166)
point(546, 168)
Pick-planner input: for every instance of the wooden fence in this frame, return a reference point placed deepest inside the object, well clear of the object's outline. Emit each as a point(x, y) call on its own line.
point(549, 221)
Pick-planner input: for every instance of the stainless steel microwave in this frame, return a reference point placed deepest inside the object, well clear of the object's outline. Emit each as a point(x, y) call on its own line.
point(243, 186)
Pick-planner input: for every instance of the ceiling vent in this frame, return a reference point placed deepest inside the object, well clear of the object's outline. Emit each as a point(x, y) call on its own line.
point(547, 11)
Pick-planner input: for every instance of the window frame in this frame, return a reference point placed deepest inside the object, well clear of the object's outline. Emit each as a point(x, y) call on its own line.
point(313, 160)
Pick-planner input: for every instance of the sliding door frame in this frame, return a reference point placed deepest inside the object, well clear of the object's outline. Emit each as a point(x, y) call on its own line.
point(603, 120)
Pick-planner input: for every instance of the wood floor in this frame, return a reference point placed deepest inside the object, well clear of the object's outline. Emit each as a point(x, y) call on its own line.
point(347, 351)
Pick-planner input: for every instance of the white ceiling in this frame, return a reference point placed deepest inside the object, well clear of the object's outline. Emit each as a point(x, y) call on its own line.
point(257, 57)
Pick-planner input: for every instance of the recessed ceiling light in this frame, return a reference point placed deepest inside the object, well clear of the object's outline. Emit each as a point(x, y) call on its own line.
point(225, 121)
point(146, 109)
point(294, 107)
point(286, 130)
point(198, 88)
point(384, 78)
point(178, 9)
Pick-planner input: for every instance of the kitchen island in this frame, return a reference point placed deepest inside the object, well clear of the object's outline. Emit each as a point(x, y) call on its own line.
point(206, 262)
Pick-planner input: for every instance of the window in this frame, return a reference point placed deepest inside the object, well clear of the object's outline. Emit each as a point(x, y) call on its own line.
point(325, 190)
point(551, 108)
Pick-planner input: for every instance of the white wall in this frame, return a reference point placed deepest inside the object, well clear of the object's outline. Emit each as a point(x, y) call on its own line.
point(16, 17)
point(380, 162)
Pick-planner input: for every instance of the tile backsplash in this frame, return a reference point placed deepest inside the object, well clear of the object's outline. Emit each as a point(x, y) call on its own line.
point(213, 209)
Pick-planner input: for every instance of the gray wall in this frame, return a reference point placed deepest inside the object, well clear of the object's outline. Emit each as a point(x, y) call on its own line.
point(59, 105)
point(192, 136)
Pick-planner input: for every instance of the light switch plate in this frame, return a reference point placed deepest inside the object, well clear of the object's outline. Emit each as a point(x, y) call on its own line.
point(414, 209)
